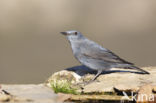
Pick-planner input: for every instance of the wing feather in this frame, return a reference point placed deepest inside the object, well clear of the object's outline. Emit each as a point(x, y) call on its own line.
point(106, 56)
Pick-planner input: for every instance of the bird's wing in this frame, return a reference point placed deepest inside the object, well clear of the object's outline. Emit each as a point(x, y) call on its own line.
point(105, 55)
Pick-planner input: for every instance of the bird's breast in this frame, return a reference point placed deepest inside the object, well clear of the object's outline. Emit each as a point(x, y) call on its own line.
point(76, 49)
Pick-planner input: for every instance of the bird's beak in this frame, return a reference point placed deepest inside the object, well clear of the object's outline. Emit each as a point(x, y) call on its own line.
point(63, 33)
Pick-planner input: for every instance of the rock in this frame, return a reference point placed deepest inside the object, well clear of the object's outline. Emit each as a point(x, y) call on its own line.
point(4, 95)
point(146, 95)
point(5, 98)
point(154, 89)
point(29, 93)
point(115, 81)
point(63, 97)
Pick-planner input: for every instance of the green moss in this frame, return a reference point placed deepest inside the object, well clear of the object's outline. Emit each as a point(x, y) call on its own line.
point(62, 86)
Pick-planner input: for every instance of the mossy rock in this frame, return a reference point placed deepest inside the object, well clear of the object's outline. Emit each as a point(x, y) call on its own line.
point(108, 86)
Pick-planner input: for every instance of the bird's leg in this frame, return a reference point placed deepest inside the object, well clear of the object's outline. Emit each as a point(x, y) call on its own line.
point(98, 73)
point(92, 80)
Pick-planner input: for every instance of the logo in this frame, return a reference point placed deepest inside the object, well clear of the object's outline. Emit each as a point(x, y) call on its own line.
point(135, 97)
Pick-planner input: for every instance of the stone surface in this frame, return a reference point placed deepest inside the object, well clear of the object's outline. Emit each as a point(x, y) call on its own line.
point(28, 94)
point(115, 81)
point(108, 87)
point(146, 95)
point(121, 80)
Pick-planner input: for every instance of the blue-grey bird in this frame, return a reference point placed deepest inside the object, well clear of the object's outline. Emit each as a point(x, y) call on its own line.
point(94, 56)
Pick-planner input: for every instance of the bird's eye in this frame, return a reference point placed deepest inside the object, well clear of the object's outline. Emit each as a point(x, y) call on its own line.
point(75, 33)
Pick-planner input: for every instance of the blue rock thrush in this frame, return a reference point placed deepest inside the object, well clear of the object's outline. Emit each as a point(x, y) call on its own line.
point(94, 56)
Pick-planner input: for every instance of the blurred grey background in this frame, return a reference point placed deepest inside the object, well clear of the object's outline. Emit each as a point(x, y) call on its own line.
point(31, 47)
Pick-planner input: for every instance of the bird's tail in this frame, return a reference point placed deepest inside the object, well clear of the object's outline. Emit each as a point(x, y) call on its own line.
point(143, 71)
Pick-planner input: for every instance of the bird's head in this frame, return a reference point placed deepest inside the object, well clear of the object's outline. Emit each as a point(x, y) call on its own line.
point(73, 35)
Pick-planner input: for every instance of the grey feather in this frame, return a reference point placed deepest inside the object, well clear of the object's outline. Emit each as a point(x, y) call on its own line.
point(94, 56)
